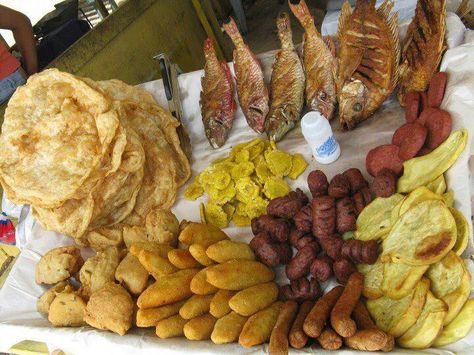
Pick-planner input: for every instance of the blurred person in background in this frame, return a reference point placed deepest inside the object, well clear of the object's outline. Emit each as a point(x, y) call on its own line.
point(12, 74)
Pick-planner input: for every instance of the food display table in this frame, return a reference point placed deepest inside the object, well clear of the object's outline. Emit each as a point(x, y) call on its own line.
point(19, 318)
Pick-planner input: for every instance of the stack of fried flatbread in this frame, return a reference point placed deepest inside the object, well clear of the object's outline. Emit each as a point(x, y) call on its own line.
point(89, 155)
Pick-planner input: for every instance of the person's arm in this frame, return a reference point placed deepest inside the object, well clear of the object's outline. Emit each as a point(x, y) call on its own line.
point(22, 30)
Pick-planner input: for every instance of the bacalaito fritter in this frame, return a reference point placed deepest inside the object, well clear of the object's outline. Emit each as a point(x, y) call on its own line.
point(287, 84)
point(368, 58)
point(319, 63)
point(423, 47)
point(253, 94)
point(217, 98)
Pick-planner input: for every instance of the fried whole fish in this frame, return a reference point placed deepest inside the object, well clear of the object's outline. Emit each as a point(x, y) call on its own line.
point(368, 59)
point(319, 63)
point(423, 48)
point(251, 89)
point(217, 97)
point(287, 84)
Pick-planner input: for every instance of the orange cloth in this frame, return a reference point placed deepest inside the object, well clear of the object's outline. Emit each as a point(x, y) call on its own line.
point(8, 63)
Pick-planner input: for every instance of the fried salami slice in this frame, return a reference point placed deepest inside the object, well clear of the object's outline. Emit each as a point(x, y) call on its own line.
point(384, 157)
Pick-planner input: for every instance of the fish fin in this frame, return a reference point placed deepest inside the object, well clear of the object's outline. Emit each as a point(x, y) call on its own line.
point(344, 19)
point(338, 80)
point(464, 8)
point(408, 36)
point(329, 42)
point(395, 38)
point(443, 29)
point(440, 57)
point(356, 60)
point(233, 32)
point(443, 24)
point(385, 9)
point(345, 73)
point(396, 76)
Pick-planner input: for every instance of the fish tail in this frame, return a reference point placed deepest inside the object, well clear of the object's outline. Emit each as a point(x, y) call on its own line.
point(209, 51)
point(301, 11)
point(284, 30)
point(233, 32)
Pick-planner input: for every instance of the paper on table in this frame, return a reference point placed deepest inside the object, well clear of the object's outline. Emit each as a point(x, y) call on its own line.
point(18, 316)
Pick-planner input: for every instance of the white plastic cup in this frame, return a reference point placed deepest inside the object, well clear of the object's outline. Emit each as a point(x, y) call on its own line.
point(318, 134)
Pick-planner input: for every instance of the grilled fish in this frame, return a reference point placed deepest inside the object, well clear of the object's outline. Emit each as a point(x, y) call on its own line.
point(217, 98)
point(287, 84)
point(319, 63)
point(368, 59)
point(251, 89)
point(423, 48)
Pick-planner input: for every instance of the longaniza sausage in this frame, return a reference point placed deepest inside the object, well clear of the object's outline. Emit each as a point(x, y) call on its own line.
point(367, 340)
point(314, 322)
point(298, 337)
point(330, 340)
point(362, 317)
point(341, 313)
point(364, 321)
point(279, 338)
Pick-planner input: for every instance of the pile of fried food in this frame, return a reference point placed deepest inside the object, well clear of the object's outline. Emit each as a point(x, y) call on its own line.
point(240, 185)
point(214, 288)
point(418, 289)
point(315, 228)
point(100, 301)
point(350, 80)
point(92, 158)
point(211, 288)
point(426, 129)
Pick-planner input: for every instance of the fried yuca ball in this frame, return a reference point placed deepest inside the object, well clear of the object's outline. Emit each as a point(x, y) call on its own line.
point(58, 264)
point(110, 308)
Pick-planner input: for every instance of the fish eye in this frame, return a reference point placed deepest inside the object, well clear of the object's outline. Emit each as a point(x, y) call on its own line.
point(357, 107)
point(323, 95)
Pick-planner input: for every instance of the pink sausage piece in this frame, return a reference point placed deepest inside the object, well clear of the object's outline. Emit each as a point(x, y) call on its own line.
point(439, 127)
point(384, 157)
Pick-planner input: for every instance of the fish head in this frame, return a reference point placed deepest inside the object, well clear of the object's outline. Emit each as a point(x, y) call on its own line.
point(323, 102)
point(257, 112)
point(352, 104)
point(281, 121)
point(216, 132)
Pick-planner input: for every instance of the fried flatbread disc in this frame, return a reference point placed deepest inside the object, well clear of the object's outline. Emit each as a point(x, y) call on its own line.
point(56, 132)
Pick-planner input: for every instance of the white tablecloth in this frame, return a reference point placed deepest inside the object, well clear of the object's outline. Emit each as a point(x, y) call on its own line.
point(19, 319)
